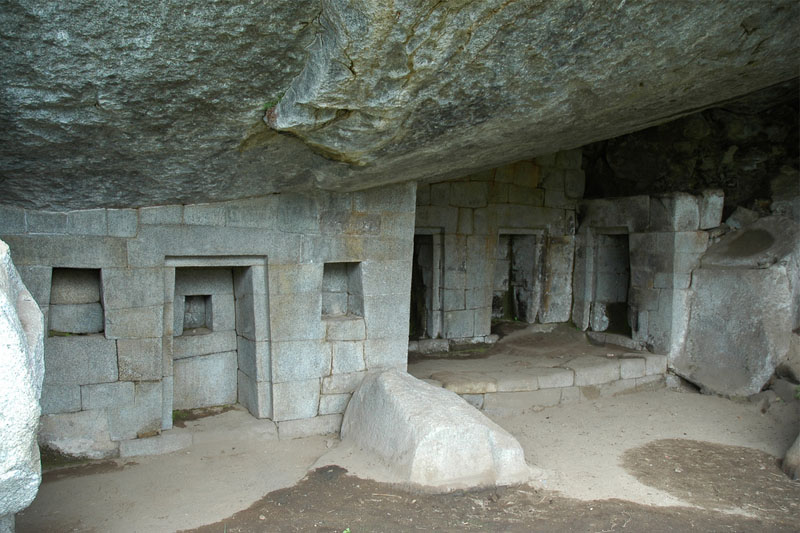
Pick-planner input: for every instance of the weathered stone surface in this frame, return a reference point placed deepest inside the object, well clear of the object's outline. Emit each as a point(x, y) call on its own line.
point(205, 380)
point(76, 318)
point(81, 434)
point(21, 374)
point(759, 245)
point(429, 435)
point(737, 147)
point(753, 308)
point(381, 84)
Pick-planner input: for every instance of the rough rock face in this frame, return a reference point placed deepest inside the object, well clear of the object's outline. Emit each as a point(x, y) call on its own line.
point(748, 148)
point(430, 436)
point(107, 105)
point(746, 287)
point(21, 374)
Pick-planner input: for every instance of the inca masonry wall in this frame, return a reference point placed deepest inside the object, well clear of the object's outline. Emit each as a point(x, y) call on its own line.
point(536, 198)
point(246, 280)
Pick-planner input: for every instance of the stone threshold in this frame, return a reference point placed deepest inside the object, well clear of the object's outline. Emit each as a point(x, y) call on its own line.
point(582, 378)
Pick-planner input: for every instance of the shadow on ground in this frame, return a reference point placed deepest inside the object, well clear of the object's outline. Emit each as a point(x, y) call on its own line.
point(330, 500)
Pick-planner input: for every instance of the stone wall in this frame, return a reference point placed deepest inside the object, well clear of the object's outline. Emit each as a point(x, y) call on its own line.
point(666, 237)
point(470, 216)
point(232, 290)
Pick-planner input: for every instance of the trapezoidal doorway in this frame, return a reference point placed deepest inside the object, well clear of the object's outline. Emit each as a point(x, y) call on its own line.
point(426, 293)
point(611, 285)
point(517, 290)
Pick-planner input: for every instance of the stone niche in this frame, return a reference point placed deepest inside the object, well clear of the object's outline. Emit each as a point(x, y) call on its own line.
point(507, 245)
point(426, 280)
point(342, 294)
point(280, 303)
point(633, 265)
point(517, 276)
point(207, 336)
point(75, 303)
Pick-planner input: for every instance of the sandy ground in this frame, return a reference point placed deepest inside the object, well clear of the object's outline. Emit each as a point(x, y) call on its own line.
point(235, 460)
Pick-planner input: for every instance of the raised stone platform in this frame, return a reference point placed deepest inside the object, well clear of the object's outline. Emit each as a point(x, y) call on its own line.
point(511, 379)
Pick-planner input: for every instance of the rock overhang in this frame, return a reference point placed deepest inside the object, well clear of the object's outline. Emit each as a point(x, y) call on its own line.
point(113, 106)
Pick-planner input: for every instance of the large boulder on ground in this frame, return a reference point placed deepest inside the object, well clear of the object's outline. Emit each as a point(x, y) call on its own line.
point(21, 373)
point(430, 436)
point(742, 309)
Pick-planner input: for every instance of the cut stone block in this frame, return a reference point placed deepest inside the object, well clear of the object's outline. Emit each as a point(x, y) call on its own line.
point(466, 382)
point(632, 367)
point(333, 403)
point(711, 203)
point(12, 220)
point(76, 318)
point(341, 383)
point(82, 434)
point(139, 359)
point(122, 222)
point(517, 381)
point(87, 222)
point(254, 358)
point(300, 360)
point(255, 396)
point(593, 370)
point(741, 217)
point(205, 381)
point(60, 399)
point(193, 345)
point(550, 378)
point(134, 323)
point(430, 436)
point(132, 287)
point(143, 418)
point(506, 403)
point(345, 328)
point(80, 360)
point(319, 425)
point(46, 222)
point(292, 400)
point(386, 353)
point(160, 444)
point(674, 212)
point(348, 357)
point(38, 281)
point(103, 395)
point(654, 363)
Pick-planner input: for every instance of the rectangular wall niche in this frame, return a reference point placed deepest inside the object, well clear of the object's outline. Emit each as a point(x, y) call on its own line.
point(75, 307)
point(204, 348)
point(517, 291)
point(220, 343)
point(613, 271)
point(341, 290)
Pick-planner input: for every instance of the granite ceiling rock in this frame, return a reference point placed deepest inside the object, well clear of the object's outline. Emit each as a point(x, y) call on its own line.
point(109, 103)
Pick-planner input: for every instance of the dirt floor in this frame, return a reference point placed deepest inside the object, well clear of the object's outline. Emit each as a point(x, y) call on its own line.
point(648, 461)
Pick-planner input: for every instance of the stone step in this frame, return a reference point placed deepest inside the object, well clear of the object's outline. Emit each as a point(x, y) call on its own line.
point(583, 378)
